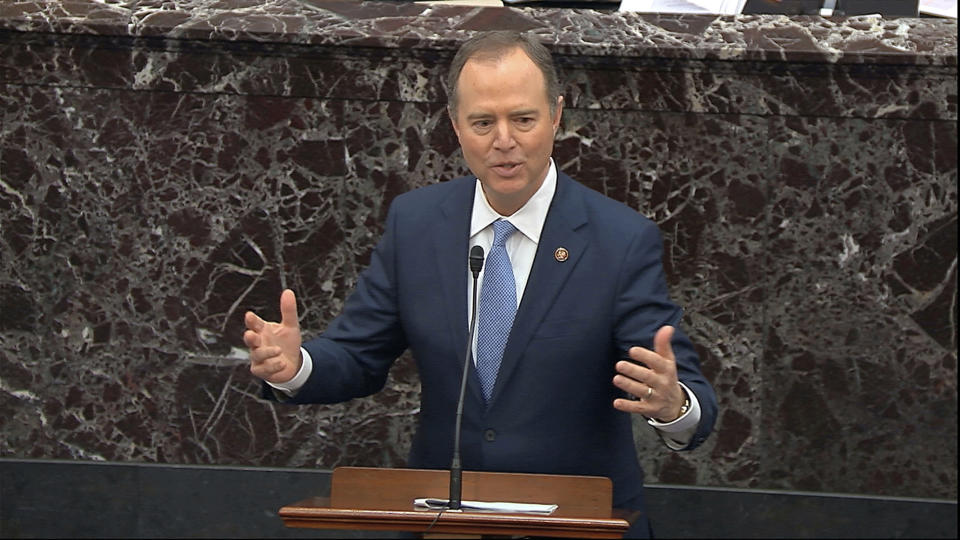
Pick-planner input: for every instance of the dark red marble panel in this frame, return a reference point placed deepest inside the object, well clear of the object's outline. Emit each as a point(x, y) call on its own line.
point(860, 392)
point(165, 166)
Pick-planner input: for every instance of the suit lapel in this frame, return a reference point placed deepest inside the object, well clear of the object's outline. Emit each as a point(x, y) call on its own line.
point(451, 247)
point(563, 228)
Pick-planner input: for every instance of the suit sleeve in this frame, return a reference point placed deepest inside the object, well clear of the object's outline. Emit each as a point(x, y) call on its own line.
point(353, 356)
point(643, 306)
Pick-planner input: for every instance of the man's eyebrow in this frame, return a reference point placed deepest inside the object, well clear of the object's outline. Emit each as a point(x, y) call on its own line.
point(479, 116)
point(513, 114)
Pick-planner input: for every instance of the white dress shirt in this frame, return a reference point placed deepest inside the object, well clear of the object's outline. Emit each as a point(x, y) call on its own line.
point(521, 248)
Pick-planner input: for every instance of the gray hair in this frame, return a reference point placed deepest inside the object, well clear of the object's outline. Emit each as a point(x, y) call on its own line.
point(493, 46)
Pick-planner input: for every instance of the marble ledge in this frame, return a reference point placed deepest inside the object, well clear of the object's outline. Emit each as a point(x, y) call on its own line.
point(406, 25)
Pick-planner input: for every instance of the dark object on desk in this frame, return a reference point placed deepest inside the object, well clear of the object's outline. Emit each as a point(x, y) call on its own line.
point(600, 5)
point(887, 8)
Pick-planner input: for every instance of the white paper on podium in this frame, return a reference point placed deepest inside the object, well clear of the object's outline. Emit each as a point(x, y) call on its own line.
point(943, 8)
point(712, 7)
point(518, 508)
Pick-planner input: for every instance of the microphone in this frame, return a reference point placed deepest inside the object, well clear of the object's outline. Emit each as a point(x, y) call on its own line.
point(456, 471)
point(476, 264)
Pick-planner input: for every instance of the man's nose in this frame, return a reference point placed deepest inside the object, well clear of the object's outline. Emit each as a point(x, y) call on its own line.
point(503, 136)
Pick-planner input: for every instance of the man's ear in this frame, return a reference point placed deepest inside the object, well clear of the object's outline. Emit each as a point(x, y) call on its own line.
point(453, 121)
point(558, 114)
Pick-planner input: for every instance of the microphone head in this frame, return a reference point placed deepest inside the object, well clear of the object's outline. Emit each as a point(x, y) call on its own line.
point(476, 260)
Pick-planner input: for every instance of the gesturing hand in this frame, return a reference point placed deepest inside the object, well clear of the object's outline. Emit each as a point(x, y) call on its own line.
point(654, 384)
point(275, 347)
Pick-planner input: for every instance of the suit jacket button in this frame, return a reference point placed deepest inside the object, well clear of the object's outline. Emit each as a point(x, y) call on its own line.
point(489, 435)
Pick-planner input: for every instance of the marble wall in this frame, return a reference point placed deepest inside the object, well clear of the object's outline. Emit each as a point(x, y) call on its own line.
point(167, 165)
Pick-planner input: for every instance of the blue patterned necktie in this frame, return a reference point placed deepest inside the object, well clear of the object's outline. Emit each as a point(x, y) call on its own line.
point(498, 305)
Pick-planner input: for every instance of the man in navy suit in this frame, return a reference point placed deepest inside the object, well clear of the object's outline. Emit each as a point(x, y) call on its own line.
point(587, 333)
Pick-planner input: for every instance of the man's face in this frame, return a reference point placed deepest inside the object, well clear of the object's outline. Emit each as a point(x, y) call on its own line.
point(504, 126)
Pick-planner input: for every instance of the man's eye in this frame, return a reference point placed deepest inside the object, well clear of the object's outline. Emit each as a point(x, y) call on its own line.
point(481, 124)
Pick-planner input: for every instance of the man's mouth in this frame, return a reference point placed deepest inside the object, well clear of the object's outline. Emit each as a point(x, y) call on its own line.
point(507, 169)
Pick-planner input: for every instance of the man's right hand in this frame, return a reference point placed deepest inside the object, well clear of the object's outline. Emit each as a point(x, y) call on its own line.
point(275, 347)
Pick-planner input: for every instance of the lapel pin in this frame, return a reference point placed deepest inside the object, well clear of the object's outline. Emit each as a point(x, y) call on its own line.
point(561, 254)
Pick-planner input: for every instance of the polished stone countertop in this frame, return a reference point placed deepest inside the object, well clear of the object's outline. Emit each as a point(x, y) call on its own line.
point(861, 39)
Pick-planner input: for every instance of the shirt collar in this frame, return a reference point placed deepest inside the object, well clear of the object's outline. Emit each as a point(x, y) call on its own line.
point(528, 219)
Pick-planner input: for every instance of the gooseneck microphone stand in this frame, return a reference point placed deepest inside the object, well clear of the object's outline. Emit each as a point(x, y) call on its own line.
point(456, 470)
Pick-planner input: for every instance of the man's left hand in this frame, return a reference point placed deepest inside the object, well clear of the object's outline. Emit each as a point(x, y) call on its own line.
point(652, 380)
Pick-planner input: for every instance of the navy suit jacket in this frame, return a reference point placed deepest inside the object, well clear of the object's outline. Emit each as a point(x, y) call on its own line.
point(552, 406)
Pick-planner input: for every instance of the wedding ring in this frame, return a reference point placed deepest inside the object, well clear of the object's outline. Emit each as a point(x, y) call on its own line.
point(649, 392)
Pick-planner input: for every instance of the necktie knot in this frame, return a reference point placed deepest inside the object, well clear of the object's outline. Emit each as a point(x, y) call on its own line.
point(502, 229)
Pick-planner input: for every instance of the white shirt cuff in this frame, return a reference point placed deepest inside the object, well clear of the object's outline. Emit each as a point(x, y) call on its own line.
point(306, 367)
point(677, 434)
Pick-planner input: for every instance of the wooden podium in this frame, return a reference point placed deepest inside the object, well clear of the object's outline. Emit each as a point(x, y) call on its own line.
point(382, 499)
